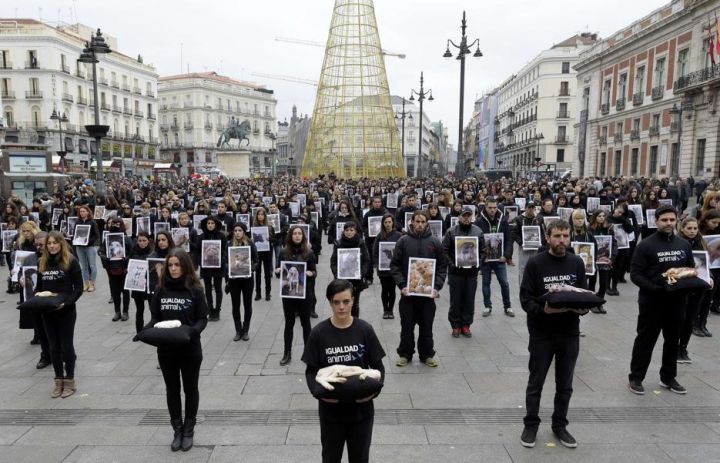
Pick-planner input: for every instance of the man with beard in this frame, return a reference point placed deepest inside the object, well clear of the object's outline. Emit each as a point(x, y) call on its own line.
point(490, 220)
point(417, 310)
point(554, 332)
point(377, 210)
point(410, 206)
point(462, 280)
point(659, 309)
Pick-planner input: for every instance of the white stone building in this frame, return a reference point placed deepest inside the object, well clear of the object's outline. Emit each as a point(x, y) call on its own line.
point(540, 99)
point(39, 73)
point(195, 108)
point(414, 166)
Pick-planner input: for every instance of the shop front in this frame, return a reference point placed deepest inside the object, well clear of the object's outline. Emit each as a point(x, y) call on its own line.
point(26, 171)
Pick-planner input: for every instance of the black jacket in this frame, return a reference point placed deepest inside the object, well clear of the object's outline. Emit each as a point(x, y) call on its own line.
point(425, 246)
point(500, 225)
point(393, 236)
point(449, 246)
point(207, 236)
point(653, 256)
point(57, 280)
point(365, 262)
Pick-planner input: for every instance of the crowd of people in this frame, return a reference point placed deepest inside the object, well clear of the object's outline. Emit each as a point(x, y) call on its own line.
point(203, 238)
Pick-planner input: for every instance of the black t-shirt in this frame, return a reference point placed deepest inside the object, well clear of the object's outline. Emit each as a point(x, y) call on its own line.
point(356, 345)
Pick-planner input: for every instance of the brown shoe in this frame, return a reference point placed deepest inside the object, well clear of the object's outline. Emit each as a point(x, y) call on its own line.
point(57, 392)
point(68, 388)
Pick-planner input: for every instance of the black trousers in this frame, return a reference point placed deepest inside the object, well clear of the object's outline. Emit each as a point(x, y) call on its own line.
point(215, 282)
point(387, 293)
point(241, 290)
point(41, 335)
point(334, 435)
point(290, 308)
point(117, 282)
point(60, 330)
point(462, 299)
point(542, 351)
point(355, 311)
point(265, 260)
point(602, 276)
point(694, 306)
point(667, 318)
point(185, 363)
point(618, 269)
point(139, 299)
point(416, 310)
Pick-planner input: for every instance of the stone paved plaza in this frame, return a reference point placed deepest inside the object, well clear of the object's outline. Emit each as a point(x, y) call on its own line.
point(468, 409)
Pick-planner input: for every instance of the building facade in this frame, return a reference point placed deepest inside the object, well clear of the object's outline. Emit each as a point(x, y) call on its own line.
point(418, 161)
point(649, 93)
point(292, 139)
point(196, 108)
point(486, 108)
point(39, 74)
point(536, 110)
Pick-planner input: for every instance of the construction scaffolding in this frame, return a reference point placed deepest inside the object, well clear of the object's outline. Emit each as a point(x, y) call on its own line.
point(353, 131)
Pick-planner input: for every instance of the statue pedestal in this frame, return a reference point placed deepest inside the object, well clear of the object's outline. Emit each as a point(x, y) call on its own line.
point(234, 163)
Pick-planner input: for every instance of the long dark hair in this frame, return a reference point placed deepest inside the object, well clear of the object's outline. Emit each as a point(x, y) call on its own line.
point(186, 264)
point(171, 242)
point(304, 246)
point(383, 234)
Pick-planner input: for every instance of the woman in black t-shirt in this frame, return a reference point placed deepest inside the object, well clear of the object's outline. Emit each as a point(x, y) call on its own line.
point(180, 296)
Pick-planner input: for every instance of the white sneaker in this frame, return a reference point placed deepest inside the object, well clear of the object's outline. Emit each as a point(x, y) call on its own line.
point(486, 312)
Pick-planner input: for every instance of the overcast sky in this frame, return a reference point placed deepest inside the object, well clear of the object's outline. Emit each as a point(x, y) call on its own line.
point(237, 38)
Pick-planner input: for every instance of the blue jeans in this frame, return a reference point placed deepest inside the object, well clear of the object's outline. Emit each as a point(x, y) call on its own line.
point(500, 270)
point(87, 255)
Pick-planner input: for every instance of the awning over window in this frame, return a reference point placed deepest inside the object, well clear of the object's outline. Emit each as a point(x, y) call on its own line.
point(161, 165)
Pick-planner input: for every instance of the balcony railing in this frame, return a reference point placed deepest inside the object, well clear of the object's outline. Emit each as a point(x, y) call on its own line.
point(657, 92)
point(125, 87)
point(33, 94)
point(188, 125)
point(117, 109)
point(105, 106)
point(127, 110)
point(150, 93)
point(697, 78)
point(102, 81)
point(139, 113)
point(8, 95)
point(564, 92)
point(674, 126)
point(67, 97)
point(602, 140)
point(208, 126)
point(605, 108)
point(115, 84)
point(635, 134)
point(654, 131)
point(80, 74)
point(6, 65)
point(164, 127)
point(152, 116)
point(620, 104)
point(618, 138)
point(561, 139)
point(137, 90)
point(638, 98)
point(32, 64)
point(82, 100)
point(174, 127)
point(563, 115)
point(65, 68)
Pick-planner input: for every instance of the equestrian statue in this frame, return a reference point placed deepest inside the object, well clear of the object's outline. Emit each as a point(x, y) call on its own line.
point(237, 130)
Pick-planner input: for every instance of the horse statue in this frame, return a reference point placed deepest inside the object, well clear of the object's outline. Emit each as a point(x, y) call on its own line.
point(235, 130)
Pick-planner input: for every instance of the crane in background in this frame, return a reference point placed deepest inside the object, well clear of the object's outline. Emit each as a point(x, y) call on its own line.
point(297, 80)
point(322, 45)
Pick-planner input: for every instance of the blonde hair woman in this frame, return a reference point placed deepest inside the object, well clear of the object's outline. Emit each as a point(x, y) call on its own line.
point(59, 273)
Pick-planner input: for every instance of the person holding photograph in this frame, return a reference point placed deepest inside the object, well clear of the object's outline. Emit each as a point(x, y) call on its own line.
point(417, 310)
point(116, 270)
point(490, 220)
point(527, 219)
point(163, 244)
point(144, 217)
point(351, 239)
point(36, 320)
point(579, 232)
point(376, 210)
point(620, 216)
point(212, 277)
point(296, 249)
point(599, 226)
point(388, 233)
point(59, 273)
point(264, 257)
point(695, 307)
point(708, 225)
point(87, 254)
point(184, 221)
point(166, 216)
point(342, 214)
point(141, 250)
point(348, 422)
point(180, 297)
point(280, 233)
point(242, 288)
point(316, 246)
point(455, 211)
point(462, 281)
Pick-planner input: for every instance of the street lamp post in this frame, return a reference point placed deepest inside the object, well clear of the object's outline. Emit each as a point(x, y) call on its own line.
point(463, 49)
point(422, 94)
point(401, 115)
point(96, 46)
point(60, 119)
point(676, 112)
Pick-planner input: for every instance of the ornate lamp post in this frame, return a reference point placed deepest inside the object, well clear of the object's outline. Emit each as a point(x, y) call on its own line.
point(96, 46)
point(463, 49)
point(401, 115)
point(422, 94)
point(60, 119)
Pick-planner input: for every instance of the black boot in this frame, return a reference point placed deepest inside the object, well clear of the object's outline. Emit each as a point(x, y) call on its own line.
point(257, 293)
point(268, 290)
point(213, 317)
point(187, 434)
point(286, 359)
point(177, 426)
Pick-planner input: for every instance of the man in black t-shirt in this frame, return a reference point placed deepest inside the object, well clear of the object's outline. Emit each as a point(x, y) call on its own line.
point(345, 341)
